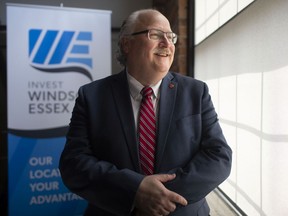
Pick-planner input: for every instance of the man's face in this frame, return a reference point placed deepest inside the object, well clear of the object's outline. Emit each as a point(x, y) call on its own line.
point(151, 55)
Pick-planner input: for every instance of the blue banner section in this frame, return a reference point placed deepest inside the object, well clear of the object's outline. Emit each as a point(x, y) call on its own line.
point(35, 185)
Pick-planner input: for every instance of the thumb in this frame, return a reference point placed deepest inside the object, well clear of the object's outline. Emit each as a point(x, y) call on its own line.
point(165, 177)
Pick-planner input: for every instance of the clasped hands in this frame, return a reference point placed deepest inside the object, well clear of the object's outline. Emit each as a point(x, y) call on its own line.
point(154, 199)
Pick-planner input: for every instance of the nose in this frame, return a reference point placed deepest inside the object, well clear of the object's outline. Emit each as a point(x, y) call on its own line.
point(165, 42)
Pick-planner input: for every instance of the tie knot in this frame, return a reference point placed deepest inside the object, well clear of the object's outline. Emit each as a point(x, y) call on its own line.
point(147, 91)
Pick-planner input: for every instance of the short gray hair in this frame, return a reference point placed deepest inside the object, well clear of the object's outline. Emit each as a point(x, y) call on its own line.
point(127, 29)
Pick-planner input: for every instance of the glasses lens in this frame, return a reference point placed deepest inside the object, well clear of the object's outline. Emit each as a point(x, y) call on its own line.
point(174, 38)
point(155, 34)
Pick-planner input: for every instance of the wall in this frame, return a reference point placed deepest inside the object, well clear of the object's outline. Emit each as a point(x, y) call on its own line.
point(245, 65)
point(176, 12)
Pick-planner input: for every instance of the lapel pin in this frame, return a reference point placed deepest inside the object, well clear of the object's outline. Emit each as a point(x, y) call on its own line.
point(171, 85)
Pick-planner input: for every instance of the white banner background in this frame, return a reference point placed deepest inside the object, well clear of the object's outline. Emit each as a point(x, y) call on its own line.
point(23, 79)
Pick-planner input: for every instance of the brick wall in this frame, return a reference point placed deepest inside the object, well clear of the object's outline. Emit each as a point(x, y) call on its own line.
point(176, 11)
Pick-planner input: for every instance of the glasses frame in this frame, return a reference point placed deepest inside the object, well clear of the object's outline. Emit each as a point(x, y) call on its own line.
point(173, 39)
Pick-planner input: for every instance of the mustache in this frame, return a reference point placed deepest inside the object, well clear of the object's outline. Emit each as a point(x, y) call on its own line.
point(162, 51)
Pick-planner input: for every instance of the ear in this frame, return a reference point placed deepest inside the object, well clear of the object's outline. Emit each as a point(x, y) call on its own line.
point(125, 45)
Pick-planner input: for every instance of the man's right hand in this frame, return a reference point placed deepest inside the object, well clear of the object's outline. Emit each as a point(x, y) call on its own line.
point(154, 199)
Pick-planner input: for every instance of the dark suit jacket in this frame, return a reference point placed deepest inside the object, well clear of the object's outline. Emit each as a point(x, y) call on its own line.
point(100, 159)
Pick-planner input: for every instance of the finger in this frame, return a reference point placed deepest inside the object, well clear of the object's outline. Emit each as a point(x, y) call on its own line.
point(170, 207)
point(177, 198)
point(165, 212)
point(165, 177)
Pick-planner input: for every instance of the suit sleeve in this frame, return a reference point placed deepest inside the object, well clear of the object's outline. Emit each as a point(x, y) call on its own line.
point(211, 165)
point(99, 182)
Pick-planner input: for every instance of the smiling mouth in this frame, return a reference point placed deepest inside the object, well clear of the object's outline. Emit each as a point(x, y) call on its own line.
point(162, 54)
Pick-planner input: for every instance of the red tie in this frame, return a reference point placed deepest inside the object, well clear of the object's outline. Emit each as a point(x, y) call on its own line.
point(147, 132)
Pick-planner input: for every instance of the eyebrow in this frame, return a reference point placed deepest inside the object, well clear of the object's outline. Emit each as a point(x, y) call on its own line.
point(140, 32)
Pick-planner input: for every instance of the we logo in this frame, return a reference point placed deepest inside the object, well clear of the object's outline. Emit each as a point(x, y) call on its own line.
point(58, 51)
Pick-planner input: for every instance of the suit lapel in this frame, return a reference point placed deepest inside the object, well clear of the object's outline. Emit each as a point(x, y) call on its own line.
point(122, 99)
point(168, 93)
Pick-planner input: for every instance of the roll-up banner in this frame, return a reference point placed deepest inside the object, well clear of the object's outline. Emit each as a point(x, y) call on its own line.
point(52, 51)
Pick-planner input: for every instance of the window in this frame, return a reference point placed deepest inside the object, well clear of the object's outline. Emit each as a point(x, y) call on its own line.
point(212, 14)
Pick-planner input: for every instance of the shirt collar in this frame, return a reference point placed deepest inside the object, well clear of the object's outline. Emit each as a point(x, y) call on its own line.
point(135, 87)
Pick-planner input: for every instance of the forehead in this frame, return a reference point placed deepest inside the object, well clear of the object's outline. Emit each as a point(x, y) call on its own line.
point(152, 20)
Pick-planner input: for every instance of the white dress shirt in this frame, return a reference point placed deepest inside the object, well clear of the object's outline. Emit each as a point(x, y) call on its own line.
point(136, 97)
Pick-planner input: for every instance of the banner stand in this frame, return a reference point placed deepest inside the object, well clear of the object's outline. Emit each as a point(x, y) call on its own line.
point(51, 52)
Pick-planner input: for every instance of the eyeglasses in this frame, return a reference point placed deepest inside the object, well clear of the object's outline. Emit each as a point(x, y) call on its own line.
point(155, 34)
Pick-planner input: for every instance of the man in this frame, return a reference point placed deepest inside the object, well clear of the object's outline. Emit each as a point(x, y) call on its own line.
point(104, 160)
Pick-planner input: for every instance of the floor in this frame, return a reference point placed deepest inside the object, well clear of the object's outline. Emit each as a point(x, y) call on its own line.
point(218, 207)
